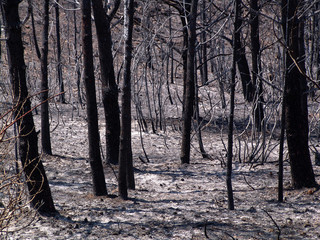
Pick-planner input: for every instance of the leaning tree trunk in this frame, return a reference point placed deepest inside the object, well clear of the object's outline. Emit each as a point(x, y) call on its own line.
point(99, 185)
point(45, 125)
point(109, 86)
point(189, 89)
point(296, 108)
point(37, 181)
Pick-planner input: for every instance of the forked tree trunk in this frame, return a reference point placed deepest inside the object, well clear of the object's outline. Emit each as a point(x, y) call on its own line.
point(296, 107)
point(109, 85)
point(37, 181)
point(99, 185)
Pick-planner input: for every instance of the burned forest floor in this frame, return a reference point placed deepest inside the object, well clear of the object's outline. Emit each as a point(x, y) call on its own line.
point(171, 201)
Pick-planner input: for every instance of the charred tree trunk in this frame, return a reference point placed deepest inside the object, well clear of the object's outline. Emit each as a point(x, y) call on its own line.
point(317, 41)
point(256, 66)
point(196, 118)
point(37, 181)
point(204, 58)
point(59, 65)
point(241, 60)
point(109, 85)
point(189, 89)
point(45, 125)
point(171, 50)
point(76, 55)
point(99, 185)
point(296, 108)
point(126, 177)
point(231, 114)
point(185, 56)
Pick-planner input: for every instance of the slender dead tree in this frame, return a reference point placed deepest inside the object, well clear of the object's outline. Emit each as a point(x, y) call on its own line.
point(281, 146)
point(189, 85)
point(204, 58)
point(99, 185)
point(197, 121)
point(76, 54)
point(126, 177)
point(247, 86)
point(109, 85)
point(45, 124)
point(59, 64)
point(37, 182)
point(256, 65)
point(237, 25)
point(317, 40)
point(183, 8)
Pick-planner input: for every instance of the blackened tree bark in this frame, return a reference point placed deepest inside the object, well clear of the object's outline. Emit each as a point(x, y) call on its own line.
point(109, 85)
point(296, 108)
point(45, 125)
point(99, 185)
point(126, 177)
point(183, 13)
point(37, 181)
point(197, 121)
point(316, 20)
point(256, 66)
point(189, 90)
point(76, 55)
point(231, 114)
point(281, 146)
point(35, 40)
point(59, 65)
point(241, 60)
point(0, 42)
point(204, 59)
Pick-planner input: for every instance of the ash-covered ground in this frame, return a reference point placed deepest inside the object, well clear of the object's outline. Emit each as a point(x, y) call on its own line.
point(171, 201)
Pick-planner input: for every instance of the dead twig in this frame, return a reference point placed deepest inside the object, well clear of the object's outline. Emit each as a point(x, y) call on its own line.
point(245, 179)
point(274, 222)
